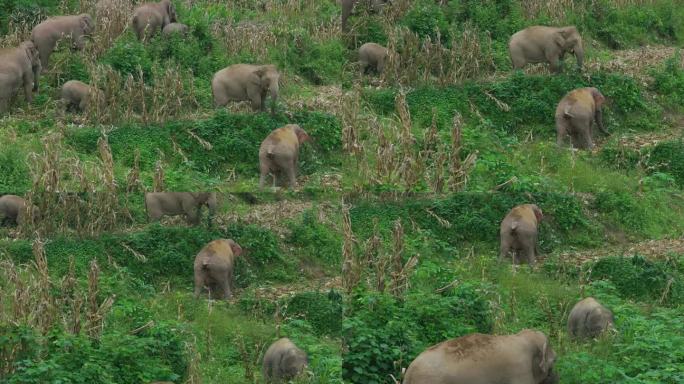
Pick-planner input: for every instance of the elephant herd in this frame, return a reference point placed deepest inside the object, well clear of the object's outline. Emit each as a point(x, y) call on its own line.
point(523, 358)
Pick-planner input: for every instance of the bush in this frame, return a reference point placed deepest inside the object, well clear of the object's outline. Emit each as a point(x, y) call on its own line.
point(668, 156)
point(15, 173)
point(426, 19)
point(641, 279)
point(318, 62)
point(316, 239)
point(129, 56)
point(322, 311)
point(621, 208)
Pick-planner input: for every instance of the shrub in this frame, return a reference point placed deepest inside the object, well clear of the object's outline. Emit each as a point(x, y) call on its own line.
point(642, 279)
point(668, 156)
point(318, 62)
point(426, 19)
point(15, 173)
point(129, 56)
point(316, 239)
point(621, 208)
point(322, 311)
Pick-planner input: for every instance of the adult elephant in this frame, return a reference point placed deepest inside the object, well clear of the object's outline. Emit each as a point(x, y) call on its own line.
point(150, 18)
point(46, 34)
point(540, 44)
point(19, 68)
point(348, 7)
point(522, 358)
point(246, 82)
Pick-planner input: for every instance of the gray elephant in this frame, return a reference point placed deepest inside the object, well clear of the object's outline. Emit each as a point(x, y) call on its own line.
point(19, 68)
point(588, 319)
point(522, 358)
point(279, 153)
point(159, 204)
point(519, 232)
point(13, 209)
point(575, 114)
point(540, 44)
point(46, 34)
point(213, 268)
point(246, 82)
point(78, 95)
point(150, 18)
point(372, 55)
point(175, 28)
point(283, 361)
point(349, 5)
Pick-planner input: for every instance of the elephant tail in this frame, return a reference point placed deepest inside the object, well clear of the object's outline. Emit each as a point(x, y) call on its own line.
point(566, 112)
point(514, 226)
point(269, 151)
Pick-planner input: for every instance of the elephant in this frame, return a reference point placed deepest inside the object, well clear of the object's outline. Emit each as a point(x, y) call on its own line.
point(19, 67)
point(374, 56)
point(213, 268)
point(588, 319)
point(246, 82)
point(13, 209)
point(575, 114)
point(279, 153)
point(522, 358)
point(519, 231)
point(348, 6)
point(150, 18)
point(189, 204)
point(173, 28)
point(539, 44)
point(283, 361)
point(46, 34)
point(77, 94)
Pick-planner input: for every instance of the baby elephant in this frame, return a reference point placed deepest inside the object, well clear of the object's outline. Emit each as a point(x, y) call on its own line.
point(189, 204)
point(283, 361)
point(246, 82)
point(279, 153)
point(78, 95)
point(13, 209)
point(174, 28)
point(575, 114)
point(519, 233)
point(214, 268)
point(373, 56)
point(588, 319)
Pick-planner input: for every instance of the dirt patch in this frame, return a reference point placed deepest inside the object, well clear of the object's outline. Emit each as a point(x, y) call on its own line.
point(651, 249)
point(276, 292)
point(635, 62)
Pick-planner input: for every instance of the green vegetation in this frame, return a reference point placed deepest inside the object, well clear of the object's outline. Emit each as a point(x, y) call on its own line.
point(402, 191)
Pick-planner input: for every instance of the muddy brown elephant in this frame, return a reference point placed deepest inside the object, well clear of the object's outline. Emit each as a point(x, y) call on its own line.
point(519, 232)
point(522, 358)
point(279, 154)
point(19, 68)
point(372, 55)
point(14, 209)
point(349, 5)
point(575, 114)
point(213, 268)
point(79, 95)
point(589, 318)
point(46, 34)
point(151, 18)
point(283, 361)
point(540, 44)
point(175, 28)
point(159, 204)
point(246, 82)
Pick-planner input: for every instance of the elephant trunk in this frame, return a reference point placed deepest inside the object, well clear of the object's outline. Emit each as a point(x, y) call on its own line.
point(598, 117)
point(579, 55)
point(37, 68)
point(274, 97)
point(211, 207)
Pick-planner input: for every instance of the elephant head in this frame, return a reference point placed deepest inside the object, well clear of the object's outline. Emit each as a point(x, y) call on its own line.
point(34, 58)
point(544, 358)
point(268, 79)
point(87, 24)
point(599, 100)
point(302, 136)
point(237, 250)
point(294, 361)
point(570, 40)
point(170, 10)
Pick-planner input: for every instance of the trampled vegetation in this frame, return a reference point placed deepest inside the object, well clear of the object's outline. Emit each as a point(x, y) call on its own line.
point(389, 244)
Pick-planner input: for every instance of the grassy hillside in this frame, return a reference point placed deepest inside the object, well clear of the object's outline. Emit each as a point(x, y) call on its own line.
point(389, 243)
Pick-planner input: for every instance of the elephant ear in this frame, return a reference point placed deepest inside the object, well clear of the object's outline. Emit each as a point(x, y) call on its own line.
point(599, 99)
point(237, 250)
point(302, 136)
point(559, 39)
point(86, 22)
point(548, 357)
point(537, 213)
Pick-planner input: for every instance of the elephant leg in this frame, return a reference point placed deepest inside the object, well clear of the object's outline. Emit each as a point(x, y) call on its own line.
point(254, 94)
point(223, 288)
point(199, 283)
point(503, 250)
point(83, 104)
point(28, 87)
point(561, 130)
point(529, 254)
point(3, 105)
point(364, 67)
point(292, 177)
point(554, 62)
point(264, 170)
